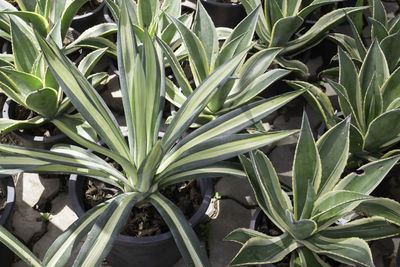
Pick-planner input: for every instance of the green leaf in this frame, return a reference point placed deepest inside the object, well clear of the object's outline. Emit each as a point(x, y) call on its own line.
point(373, 103)
point(306, 170)
point(68, 14)
point(38, 22)
point(347, 250)
point(204, 29)
point(263, 27)
point(264, 250)
point(149, 166)
point(318, 100)
point(309, 258)
point(267, 188)
point(348, 78)
point(374, 63)
point(198, 56)
point(378, 12)
point(389, 48)
point(27, 5)
point(18, 248)
point(314, 34)
point(383, 207)
point(20, 83)
point(255, 66)
point(293, 64)
point(246, 28)
point(24, 49)
point(379, 32)
point(61, 249)
point(242, 235)
point(335, 204)
point(283, 30)
point(146, 12)
point(7, 125)
point(221, 148)
point(333, 149)
point(262, 82)
point(107, 228)
point(176, 68)
point(197, 101)
point(185, 237)
point(303, 228)
point(366, 228)
point(84, 97)
point(93, 33)
point(212, 170)
point(43, 101)
point(89, 62)
point(371, 176)
point(314, 5)
point(231, 122)
point(391, 89)
point(384, 131)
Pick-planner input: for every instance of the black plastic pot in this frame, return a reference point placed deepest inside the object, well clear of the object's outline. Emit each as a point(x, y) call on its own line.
point(7, 184)
point(42, 142)
point(225, 14)
point(153, 251)
point(85, 21)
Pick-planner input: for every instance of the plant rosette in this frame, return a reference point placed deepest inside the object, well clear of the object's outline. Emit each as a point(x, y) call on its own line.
point(308, 234)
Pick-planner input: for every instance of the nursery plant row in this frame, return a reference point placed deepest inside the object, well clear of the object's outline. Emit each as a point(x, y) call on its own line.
point(197, 81)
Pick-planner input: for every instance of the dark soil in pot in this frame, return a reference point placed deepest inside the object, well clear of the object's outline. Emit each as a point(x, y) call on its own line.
point(43, 137)
point(90, 14)
point(139, 251)
point(225, 14)
point(7, 201)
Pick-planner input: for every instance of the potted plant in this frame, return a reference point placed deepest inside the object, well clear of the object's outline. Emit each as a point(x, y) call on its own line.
point(147, 163)
point(250, 78)
point(34, 95)
point(370, 96)
point(224, 13)
point(320, 198)
point(280, 26)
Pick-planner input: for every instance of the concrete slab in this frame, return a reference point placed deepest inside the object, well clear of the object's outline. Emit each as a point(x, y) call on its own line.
point(231, 216)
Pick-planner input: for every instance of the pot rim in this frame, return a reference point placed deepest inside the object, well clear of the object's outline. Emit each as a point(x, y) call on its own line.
point(94, 11)
point(8, 184)
point(206, 188)
point(211, 2)
point(35, 138)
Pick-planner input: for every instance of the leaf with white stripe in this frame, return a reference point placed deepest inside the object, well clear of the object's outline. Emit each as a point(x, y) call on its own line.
point(84, 97)
point(108, 226)
point(18, 248)
point(185, 238)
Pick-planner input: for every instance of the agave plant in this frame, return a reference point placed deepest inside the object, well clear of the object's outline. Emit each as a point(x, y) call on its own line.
point(371, 96)
point(282, 21)
point(148, 163)
point(249, 79)
point(24, 75)
point(320, 198)
point(150, 14)
point(52, 18)
point(385, 31)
